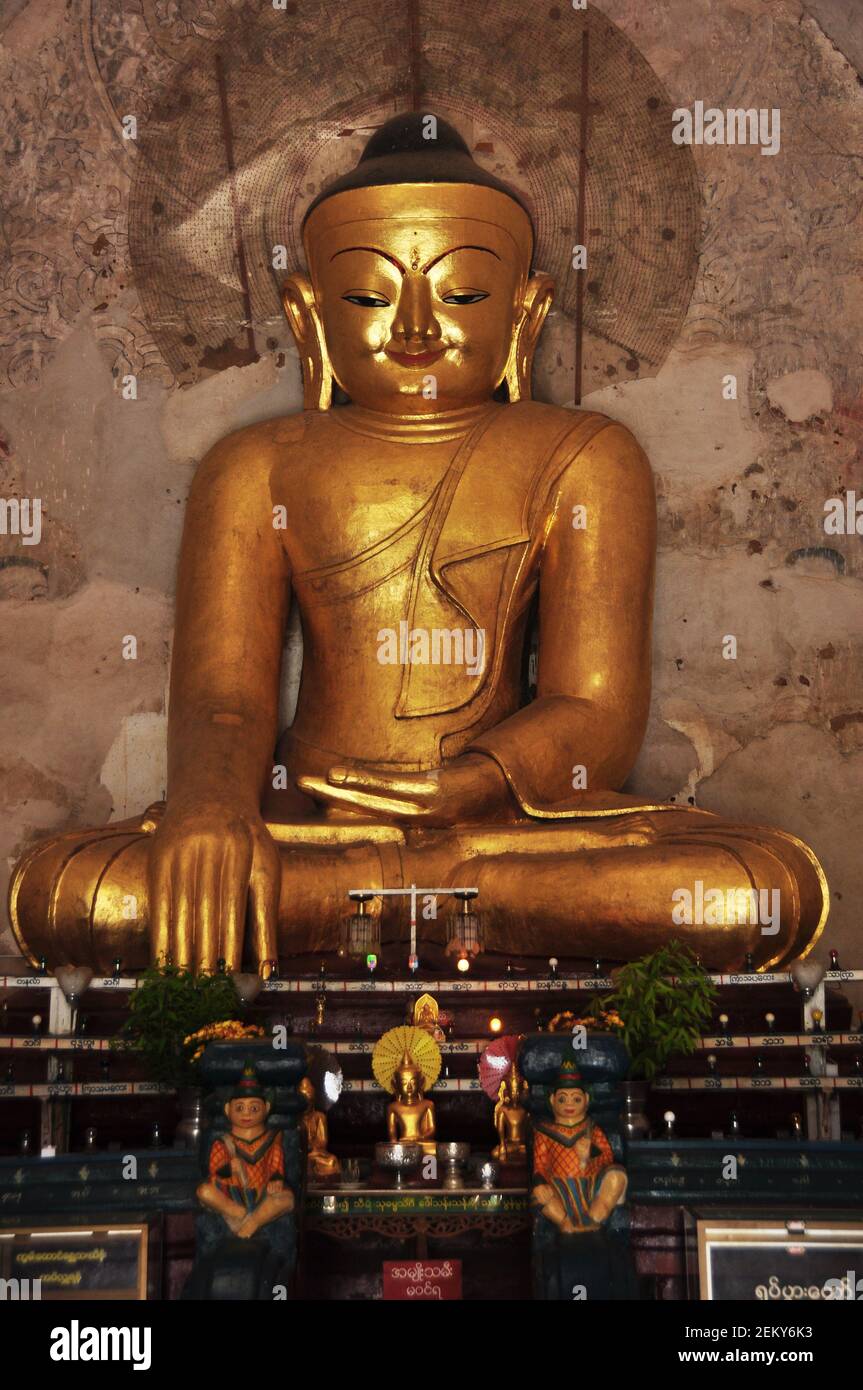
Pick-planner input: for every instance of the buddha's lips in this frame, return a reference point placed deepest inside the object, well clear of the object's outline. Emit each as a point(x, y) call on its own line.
point(414, 359)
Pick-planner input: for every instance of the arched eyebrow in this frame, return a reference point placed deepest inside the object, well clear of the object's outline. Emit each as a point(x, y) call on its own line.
point(453, 249)
point(375, 251)
point(393, 260)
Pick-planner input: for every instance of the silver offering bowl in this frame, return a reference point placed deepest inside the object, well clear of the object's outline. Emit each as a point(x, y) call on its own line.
point(453, 1155)
point(398, 1159)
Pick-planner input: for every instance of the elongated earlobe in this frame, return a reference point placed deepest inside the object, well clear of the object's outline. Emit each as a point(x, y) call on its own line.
point(302, 314)
point(535, 306)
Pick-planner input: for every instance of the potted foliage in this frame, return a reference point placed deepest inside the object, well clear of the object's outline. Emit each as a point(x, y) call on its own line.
point(172, 1014)
point(664, 1002)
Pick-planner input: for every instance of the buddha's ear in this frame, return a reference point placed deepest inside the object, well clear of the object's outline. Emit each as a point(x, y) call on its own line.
point(534, 307)
point(298, 300)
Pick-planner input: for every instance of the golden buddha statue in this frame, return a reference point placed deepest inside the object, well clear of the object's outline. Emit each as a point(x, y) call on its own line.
point(319, 1162)
point(419, 527)
point(425, 1016)
point(410, 1117)
point(511, 1120)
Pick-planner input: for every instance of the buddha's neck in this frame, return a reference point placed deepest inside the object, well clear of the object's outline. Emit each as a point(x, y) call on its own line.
point(412, 429)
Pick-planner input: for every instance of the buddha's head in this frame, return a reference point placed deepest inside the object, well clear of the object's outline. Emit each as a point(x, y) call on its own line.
point(408, 1079)
point(306, 1088)
point(517, 1086)
point(569, 1098)
point(420, 297)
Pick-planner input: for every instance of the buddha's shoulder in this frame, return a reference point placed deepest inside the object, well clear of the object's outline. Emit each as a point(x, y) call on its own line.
point(254, 448)
point(564, 426)
point(265, 435)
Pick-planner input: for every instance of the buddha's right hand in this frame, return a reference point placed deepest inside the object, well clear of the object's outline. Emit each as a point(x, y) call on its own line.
point(208, 862)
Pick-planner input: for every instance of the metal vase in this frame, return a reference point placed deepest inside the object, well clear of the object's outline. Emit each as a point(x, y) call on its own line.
point(453, 1156)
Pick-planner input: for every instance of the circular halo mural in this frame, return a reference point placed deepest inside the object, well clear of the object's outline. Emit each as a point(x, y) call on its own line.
point(244, 111)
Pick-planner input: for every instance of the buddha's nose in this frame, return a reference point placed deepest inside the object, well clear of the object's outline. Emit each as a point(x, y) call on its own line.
point(414, 320)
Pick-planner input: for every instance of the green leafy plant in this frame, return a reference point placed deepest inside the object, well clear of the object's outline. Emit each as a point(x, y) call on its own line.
point(665, 1001)
point(169, 1004)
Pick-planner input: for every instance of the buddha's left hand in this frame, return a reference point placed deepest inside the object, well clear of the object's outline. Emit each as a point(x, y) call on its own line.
point(467, 789)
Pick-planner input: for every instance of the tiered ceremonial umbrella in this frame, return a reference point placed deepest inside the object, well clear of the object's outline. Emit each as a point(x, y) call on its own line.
point(496, 1063)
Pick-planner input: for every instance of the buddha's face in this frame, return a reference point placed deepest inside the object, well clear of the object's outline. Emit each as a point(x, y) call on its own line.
point(407, 1085)
point(246, 1113)
point(418, 314)
point(568, 1105)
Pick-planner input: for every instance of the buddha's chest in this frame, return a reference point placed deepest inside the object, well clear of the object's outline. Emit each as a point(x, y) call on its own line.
point(411, 1114)
point(338, 504)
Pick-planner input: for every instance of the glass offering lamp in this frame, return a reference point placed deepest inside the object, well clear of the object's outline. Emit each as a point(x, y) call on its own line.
point(464, 936)
point(361, 932)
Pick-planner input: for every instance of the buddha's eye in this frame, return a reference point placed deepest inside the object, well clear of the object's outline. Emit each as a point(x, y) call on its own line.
point(465, 297)
point(367, 300)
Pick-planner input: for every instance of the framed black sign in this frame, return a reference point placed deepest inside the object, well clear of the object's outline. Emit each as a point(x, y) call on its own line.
point(75, 1262)
point(773, 1260)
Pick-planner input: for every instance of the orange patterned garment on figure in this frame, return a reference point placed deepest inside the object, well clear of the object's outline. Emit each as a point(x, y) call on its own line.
point(573, 1162)
point(242, 1168)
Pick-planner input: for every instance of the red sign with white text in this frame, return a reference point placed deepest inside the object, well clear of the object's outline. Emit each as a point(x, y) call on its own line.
point(422, 1279)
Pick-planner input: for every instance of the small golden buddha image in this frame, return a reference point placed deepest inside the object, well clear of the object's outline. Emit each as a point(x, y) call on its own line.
point(406, 1061)
point(410, 1117)
point(426, 509)
point(511, 1120)
point(425, 1016)
point(320, 1163)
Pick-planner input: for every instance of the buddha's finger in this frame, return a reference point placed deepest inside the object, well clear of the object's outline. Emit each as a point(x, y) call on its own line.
point(264, 894)
point(417, 787)
point(182, 944)
point(366, 801)
point(160, 910)
point(206, 929)
point(233, 894)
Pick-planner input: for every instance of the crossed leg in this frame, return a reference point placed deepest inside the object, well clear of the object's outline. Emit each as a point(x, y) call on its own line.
point(581, 888)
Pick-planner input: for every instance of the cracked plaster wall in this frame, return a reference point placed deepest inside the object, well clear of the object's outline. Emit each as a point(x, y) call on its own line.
point(772, 736)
